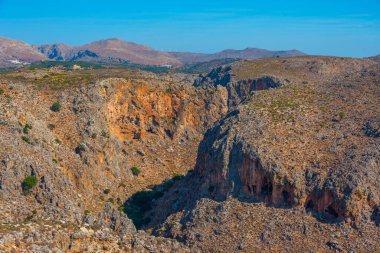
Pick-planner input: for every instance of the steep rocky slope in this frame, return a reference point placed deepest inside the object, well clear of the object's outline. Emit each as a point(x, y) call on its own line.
point(58, 52)
point(300, 135)
point(83, 153)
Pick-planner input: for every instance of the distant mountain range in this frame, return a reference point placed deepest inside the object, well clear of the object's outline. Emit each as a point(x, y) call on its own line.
point(376, 58)
point(115, 51)
point(15, 53)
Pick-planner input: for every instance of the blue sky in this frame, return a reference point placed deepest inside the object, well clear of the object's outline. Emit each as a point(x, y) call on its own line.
point(324, 27)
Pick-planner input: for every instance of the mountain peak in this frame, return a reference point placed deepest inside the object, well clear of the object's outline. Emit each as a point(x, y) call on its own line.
point(115, 50)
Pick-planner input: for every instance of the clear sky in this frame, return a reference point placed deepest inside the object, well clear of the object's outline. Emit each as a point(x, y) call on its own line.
point(325, 27)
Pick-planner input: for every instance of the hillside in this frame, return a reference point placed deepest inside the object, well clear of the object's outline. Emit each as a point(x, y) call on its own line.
point(259, 155)
point(248, 53)
point(376, 58)
point(17, 53)
point(108, 51)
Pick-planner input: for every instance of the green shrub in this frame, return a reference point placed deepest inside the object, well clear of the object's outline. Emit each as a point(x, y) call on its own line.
point(93, 136)
point(105, 134)
point(1, 91)
point(29, 183)
point(54, 161)
point(135, 171)
point(56, 107)
point(26, 129)
point(341, 115)
point(58, 141)
point(106, 191)
point(26, 139)
point(111, 201)
point(121, 208)
point(119, 201)
point(177, 176)
point(86, 212)
point(51, 126)
point(29, 218)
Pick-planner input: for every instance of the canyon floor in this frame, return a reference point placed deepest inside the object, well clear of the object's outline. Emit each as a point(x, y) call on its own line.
point(262, 155)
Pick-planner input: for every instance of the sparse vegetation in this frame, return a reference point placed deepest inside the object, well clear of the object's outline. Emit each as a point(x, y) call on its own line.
point(177, 176)
point(105, 134)
point(29, 183)
point(81, 148)
point(1, 91)
point(26, 128)
point(56, 107)
point(26, 139)
point(341, 115)
point(135, 171)
point(106, 191)
point(64, 64)
point(111, 200)
point(51, 126)
point(86, 212)
point(31, 216)
point(58, 141)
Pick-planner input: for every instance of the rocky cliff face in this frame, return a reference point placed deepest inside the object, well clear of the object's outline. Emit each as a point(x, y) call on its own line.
point(257, 152)
point(302, 142)
point(102, 130)
point(82, 154)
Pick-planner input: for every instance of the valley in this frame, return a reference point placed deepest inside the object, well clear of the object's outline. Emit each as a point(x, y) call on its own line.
point(251, 155)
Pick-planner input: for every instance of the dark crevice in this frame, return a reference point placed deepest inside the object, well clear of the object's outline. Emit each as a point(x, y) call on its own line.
point(331, 211)
point(309, 205)
point(267, 188)
point(286, 196)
